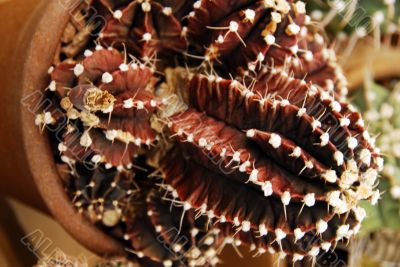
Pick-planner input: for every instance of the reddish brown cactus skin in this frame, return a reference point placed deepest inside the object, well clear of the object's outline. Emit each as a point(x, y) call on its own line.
point(279, 154)
point(252, 133)
point(167, 235)
point(147, 28)
point(241, 31)
point(112, 100)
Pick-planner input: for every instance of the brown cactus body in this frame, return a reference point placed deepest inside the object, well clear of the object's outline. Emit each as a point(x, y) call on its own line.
point(251, 140)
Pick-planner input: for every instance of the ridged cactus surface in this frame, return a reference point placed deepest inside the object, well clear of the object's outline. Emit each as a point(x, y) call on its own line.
point(222, 120)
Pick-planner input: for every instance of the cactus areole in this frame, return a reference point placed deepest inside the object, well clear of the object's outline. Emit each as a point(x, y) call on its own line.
point(223, 121)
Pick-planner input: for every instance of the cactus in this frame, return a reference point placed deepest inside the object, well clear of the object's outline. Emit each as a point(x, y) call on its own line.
point(379, 104)
point(348, 21)
point(360, 17)
point(227, 123)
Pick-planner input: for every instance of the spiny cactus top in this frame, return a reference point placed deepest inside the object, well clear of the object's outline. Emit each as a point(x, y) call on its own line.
point(234, 109)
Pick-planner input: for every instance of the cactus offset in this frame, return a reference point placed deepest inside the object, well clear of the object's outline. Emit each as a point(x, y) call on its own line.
point(237, 108)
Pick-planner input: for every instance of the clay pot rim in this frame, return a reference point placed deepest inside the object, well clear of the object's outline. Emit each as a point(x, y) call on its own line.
point(39, 44)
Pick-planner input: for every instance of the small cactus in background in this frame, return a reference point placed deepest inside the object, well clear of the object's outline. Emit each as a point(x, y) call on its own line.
point(222, 120)
point(379, 103)
point(348, 21)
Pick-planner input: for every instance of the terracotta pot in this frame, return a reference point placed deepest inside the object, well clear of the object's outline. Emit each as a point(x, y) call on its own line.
point(31, 31)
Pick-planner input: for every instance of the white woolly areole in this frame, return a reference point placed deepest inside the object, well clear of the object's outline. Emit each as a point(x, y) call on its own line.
point(370, 177)
point(267, 188)
point(293, 29)
point(117, 14)
point(87, 53)
point(251, 133)
point(333, 198)
point(85, 140)
point(308, 55)
point(124, 67)
point(128, 103)
point(314, 251)
point(96, 159)
point(202, 142)
point(263, 230)
point(339, 158)
point(52, 86)
point(324, 139)
point(236, 221)
point(146, 6)
point(253, 176)
point(285, 198)
point(322, 226)
point(233, 26)
point(167, 263)
point(365, 156)
point(300, 7)
point(275, 140)
point(243, 167)
point(294, 49)
point(301, 112)
point(269, 39)
point(336, 106)
point(250, 14)
point(106, 77)
point(342, 231)
point(246, 226)
point(297, 257)
point(352, 142)
point(78, 69)
point(167, 11)
point(276, 17)
point(147, 37)
point(190, 138)
point(62, 147)
point(326, 246)
point(330, 176)
point(344, 122)
point(309, 199)
point(139, 105)
point(315, 124)
point(296, 152)
point(280, 234)
point(298, 233)
point(236, 156)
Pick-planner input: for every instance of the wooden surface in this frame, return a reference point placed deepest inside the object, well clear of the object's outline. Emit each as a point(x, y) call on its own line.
point(19, 221)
